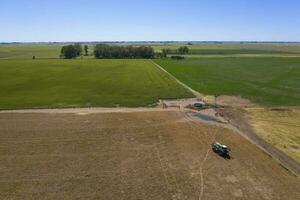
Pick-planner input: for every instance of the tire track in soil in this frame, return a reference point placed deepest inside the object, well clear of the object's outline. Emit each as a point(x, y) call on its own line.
point(201, 174)
point(164, 165)
point(162, 169)
point(123, 180)
point(201, 184)
point(128, 169)
point(202, 164)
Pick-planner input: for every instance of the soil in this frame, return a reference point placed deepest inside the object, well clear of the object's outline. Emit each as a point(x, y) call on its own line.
point(238, 118)
point(132, 155)
point(231, 101)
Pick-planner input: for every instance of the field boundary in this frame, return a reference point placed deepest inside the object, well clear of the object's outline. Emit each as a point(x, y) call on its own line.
point(238, 120)
point(89, 110)
point(194, 92)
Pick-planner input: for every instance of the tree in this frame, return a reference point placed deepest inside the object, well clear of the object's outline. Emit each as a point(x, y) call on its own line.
point(68, 52)
point(183, 50)
point(86, 49)
point(165, 52)
point(78, 48)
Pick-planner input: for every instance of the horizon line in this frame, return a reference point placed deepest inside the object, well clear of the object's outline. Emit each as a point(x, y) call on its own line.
point(152, 41)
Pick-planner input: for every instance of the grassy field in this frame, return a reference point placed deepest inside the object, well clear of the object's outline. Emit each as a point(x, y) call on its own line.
point(271, 81)
point(27, 51)
point(279, 127)
point(145, 155)
point(81, 83)
point(264, 73)
point(236, 48)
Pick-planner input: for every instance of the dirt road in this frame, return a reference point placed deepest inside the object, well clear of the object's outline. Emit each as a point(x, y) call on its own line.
point(238, 119)
point(89, 110)
point(197, 94)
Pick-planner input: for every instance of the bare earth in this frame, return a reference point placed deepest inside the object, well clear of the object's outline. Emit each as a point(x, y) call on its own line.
point(232, 101)
point(133, 155)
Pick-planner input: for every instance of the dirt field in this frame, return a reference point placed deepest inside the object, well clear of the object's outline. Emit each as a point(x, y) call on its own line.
point(145, 155)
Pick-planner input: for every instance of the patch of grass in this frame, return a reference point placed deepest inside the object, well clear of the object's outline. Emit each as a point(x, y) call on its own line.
point(27, 51)
point(81, 83)
point(273, 81)
point(280, 128)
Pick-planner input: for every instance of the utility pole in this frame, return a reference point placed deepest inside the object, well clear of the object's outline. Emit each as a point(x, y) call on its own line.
point(216, 96)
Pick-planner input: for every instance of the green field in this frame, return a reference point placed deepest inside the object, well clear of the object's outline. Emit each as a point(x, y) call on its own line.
point(27, 51)
point(83, 83)
point(236, 48)
point(267, 74)
point(272, 81)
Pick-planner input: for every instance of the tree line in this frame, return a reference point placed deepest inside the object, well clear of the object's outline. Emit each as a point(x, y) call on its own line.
point(108, 51)
point(181, 50)
point(115, 51)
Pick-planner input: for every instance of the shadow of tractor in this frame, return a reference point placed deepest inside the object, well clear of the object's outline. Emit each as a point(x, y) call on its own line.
point(226, 156)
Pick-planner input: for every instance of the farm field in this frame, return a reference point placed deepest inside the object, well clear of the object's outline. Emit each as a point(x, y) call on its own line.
point(137, 100)
point(227, 49)
point(146, 155)
point(27, 51)
point(278, 126)
point(270, 81)
point(44, 83)
point(42, 51)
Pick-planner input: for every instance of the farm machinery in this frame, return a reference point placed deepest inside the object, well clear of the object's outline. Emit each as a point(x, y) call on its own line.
point(221, 149)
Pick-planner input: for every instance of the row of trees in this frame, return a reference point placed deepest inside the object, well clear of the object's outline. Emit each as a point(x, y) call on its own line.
point(181, 50)
point(107, 51)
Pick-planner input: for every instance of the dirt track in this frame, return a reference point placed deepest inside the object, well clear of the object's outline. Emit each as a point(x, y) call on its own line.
point(137, 155)
point(88, 110)
point(238, 119)
point(194, 92)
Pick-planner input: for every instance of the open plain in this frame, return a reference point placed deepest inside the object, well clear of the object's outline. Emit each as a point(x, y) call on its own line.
point(139, 155)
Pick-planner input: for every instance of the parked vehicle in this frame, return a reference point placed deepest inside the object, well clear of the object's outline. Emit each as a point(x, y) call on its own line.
point(221, 149)
point(199, 104)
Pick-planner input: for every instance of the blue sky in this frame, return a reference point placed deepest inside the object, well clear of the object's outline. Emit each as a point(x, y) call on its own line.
point(138, 20)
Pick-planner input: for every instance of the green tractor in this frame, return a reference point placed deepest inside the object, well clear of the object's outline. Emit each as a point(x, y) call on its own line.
point(221, 149)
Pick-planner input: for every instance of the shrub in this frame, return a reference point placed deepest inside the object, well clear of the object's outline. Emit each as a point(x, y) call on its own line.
point(183, 50)
point(177, 57)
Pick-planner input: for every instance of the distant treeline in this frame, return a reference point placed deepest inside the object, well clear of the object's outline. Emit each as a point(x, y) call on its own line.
point(181, 50)
point(185, 50)
point(102, 51)
point(109, 51)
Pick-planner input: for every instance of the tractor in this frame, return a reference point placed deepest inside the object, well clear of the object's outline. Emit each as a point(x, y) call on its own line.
point(221, 149)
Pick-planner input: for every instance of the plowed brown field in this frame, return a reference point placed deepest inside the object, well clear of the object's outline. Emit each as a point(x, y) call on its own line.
point(145, 155)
